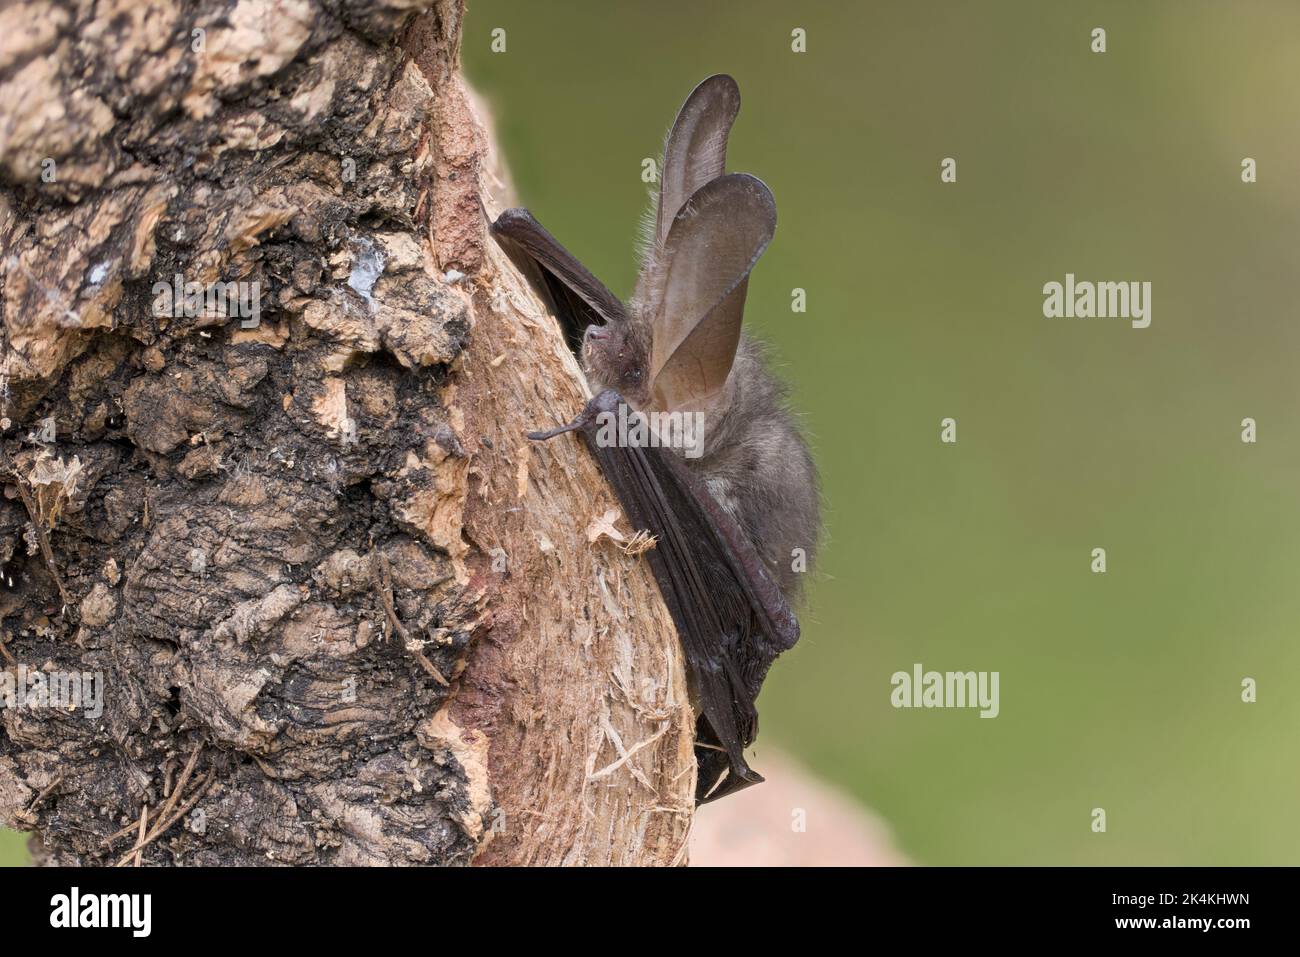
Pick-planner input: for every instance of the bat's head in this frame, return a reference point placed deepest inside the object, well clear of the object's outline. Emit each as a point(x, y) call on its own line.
point(673, 347)
point(615, 355)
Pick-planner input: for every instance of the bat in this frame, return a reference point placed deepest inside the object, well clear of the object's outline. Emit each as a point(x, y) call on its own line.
point(731, 509)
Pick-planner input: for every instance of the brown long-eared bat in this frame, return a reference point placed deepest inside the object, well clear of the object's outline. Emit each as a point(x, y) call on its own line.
point(734, 512)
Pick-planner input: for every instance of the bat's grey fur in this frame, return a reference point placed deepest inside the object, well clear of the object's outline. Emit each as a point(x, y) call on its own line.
point(755, 462)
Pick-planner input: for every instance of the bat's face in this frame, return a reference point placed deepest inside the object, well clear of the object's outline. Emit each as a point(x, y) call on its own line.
point(615, 356)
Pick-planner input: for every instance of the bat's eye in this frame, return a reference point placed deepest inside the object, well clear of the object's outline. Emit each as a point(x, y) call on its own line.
point(634, 375)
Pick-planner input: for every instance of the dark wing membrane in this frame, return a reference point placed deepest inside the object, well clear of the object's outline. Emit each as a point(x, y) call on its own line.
point(731, 617)
point(579, 298)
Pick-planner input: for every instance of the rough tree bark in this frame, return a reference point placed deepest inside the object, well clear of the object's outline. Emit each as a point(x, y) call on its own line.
point(343, 611)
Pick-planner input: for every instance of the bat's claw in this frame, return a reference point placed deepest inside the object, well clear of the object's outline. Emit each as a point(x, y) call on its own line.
point(607, 401)
point(552, 433)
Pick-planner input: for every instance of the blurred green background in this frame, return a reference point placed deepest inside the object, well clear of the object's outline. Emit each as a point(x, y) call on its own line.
point(1121, 690)
point(13, 848)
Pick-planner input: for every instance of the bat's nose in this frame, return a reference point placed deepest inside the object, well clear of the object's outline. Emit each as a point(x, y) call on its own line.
point(597, 333)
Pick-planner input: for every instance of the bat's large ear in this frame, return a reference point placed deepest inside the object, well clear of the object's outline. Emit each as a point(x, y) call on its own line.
point(696, 151)
point(713, 243)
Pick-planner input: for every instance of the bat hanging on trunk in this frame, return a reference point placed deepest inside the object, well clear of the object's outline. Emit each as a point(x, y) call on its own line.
point(712, 465)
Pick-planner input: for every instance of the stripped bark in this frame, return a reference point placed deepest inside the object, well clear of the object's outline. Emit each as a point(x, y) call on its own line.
point(344, 612)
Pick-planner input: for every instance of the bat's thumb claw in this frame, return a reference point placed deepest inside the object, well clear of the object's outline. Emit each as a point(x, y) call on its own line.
point(552, 433)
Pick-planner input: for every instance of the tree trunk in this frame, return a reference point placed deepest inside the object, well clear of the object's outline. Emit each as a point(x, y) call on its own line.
point(340, 609)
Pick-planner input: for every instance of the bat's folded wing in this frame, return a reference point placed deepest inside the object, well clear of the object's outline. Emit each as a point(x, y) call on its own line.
point(579, 298)
point(731, 616)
